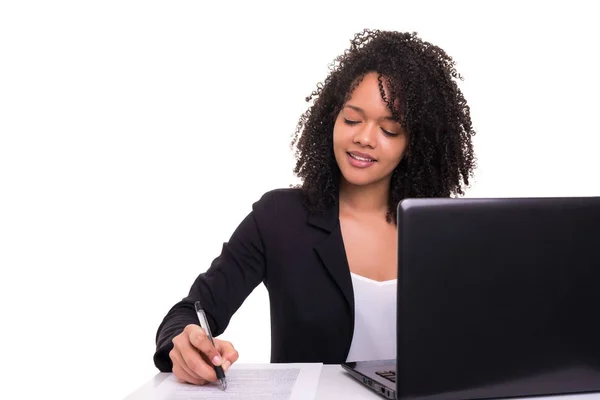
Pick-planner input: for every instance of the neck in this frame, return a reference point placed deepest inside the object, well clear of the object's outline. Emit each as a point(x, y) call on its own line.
point(365, 199)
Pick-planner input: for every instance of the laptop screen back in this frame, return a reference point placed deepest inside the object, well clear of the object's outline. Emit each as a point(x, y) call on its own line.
point(498, 297)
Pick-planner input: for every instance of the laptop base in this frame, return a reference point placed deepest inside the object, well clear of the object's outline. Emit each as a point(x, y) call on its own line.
point(379, 376)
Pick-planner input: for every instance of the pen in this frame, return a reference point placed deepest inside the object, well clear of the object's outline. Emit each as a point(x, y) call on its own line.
point(204, 324)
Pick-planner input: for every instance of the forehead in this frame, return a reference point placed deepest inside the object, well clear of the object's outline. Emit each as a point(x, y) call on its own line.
point(371, 82)
point(367, 94)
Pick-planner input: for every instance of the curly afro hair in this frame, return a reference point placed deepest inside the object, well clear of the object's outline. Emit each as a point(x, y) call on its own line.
point(423, 97)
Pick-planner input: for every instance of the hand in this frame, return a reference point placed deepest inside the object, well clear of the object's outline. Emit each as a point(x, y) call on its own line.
point(192, 351)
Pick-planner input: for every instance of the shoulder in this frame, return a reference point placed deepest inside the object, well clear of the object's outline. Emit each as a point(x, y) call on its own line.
point(279, 205)
point(281, 198)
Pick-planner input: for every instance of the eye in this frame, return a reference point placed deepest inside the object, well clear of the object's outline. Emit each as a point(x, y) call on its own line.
point(387, 133)
point(350, 122)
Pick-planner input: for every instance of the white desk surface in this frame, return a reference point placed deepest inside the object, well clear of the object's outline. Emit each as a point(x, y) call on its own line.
point(334, 383)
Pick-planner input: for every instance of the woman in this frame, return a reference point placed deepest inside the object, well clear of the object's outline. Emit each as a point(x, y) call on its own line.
point(388, 123)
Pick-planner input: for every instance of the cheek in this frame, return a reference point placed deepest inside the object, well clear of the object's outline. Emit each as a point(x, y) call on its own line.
point(395, 150)
point(338, 136)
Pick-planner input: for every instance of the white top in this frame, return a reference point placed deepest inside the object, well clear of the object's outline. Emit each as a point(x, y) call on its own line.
point(375, 319)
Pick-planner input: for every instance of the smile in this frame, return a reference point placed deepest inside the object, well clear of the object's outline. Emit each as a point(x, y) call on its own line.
point(360, 161)
point(361, 158)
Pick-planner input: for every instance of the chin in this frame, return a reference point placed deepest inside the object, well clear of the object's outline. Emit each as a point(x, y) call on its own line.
point(359, 179)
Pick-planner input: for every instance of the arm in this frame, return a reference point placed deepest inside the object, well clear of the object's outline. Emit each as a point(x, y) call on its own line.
point(222, 289)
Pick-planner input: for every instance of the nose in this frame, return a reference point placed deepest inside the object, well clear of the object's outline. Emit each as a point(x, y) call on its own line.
point(366, 136)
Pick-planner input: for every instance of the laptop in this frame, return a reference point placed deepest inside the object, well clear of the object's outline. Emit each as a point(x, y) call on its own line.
point(497, 298)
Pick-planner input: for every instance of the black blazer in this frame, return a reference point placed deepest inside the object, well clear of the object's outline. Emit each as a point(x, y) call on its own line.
point(300, 258)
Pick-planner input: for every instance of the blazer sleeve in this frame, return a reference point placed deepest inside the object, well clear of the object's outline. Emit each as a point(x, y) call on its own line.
point(222, 289)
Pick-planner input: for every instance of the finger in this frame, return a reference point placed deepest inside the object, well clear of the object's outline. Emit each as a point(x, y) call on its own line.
point(183, 376)
point(229, 354)
point(194, 359)
point(189, 357)
point(199, 339)
point(176, 357)
point(194, 362)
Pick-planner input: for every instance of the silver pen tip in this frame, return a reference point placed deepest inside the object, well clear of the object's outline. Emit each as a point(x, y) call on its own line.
point(223, 384)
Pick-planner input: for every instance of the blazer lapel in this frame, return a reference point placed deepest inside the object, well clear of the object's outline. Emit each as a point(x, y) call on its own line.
point(332, 253)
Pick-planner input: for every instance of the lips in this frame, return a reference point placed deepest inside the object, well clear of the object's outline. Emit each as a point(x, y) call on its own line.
point(360, 160)
point(361, 156)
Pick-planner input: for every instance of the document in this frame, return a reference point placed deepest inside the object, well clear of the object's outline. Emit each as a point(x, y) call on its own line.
point(251, 382)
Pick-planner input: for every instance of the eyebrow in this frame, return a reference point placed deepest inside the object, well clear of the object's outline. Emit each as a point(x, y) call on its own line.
point(361, 111)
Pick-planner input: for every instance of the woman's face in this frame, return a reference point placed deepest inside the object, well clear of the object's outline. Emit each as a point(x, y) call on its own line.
point(368, 144)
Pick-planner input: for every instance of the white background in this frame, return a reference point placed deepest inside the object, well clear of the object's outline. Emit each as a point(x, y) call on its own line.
point(135, 136)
